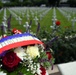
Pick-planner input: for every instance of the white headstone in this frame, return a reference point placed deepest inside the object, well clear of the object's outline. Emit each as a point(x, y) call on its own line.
point(32, 14)
point(53, 26)
point(27, 26)
point(68, 16)
point(54, 12)
point(54, 21)
point(5, 13)
point(4, 19)
point(36, 13)
point(36, 20)
point(20, 20)
point(40, 16)
point(23, 14)
point(73, 21)
point(27, 16)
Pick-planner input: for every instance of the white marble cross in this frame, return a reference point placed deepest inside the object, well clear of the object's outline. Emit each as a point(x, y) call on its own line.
point(68, 16)
point(4, 19)
point(40, 16)
point(4, 16)
point(73, 13)
point(19, 19)
point(16, 17)
point(36, 13)
point(32, 14)
point(36, 20)
point(73, 21)
point(53, 23)
point(23, 14)
point(5, 13)
point(27, 16)
point(54, 19)
point(54, 12)
point(27, 26)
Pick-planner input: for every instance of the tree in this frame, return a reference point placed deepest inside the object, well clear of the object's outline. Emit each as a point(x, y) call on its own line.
point(36, 2)
point(44, 2)
point(27, 2)
point(58, 2)
point(54, 2)
point(72, 3)
point(1, 4)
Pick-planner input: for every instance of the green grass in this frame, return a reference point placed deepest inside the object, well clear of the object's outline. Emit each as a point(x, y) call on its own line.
point(45, 23)
point(64, 21)
point(1, 16)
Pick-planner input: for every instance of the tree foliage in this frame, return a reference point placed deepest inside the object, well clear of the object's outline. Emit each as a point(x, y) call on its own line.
point(1, 5)
point(72, 3)
point(33, 2)
point(54, 2)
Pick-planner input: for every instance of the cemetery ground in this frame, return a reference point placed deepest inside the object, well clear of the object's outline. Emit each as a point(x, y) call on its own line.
point(45, 19)
point(45, 23)
point(42, 23)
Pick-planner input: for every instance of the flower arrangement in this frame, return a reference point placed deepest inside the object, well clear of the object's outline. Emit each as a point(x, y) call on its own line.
point(24, 54)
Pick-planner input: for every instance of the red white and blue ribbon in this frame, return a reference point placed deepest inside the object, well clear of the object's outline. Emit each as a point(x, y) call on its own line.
point(17, 41)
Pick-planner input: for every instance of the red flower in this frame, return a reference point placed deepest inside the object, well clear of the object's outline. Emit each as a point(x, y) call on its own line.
point(58, 23)
point(16, 31)
point(49, 55)
point(43, 70)
point(10, 61)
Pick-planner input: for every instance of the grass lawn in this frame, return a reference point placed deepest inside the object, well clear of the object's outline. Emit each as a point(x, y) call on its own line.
point(45, 23)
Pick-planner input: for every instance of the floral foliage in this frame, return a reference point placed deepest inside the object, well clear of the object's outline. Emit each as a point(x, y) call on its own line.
point(63, 43)
point(10, 61)
point(32, 59)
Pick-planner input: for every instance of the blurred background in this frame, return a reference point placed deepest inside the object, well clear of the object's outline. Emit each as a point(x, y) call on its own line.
point(40, 3)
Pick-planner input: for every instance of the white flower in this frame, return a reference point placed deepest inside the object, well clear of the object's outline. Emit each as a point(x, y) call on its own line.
point(66, 37)
point(70, 36)
point(33, 51)
point(27, 69)
point(0, 65)
point(44, 39)
point(47, 73)
point(38, 69)
point(51, 50)
point(20, 52)
point(2, 73)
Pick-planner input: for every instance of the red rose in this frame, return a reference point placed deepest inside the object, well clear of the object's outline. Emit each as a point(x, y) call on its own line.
point(10, 61)
point(57, 23)
point(43, 70)
point(16, 31)
point(49, 55)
